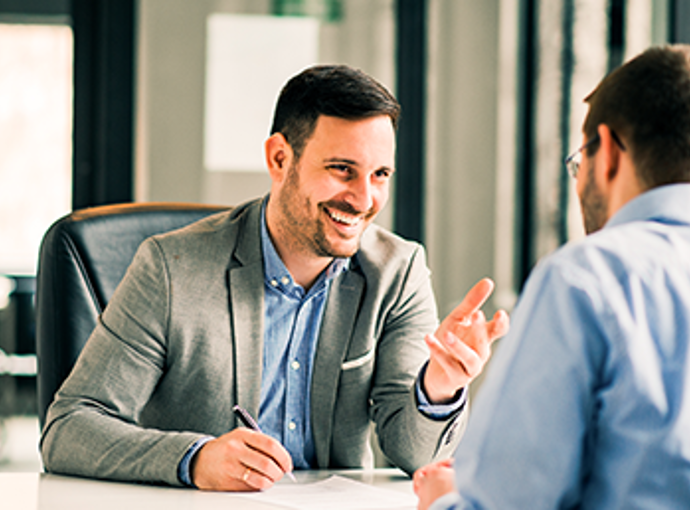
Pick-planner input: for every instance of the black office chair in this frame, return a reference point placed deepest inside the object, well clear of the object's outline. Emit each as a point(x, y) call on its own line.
point(83, 257)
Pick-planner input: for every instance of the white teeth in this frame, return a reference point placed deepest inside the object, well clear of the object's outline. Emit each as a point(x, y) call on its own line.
point(348, 220)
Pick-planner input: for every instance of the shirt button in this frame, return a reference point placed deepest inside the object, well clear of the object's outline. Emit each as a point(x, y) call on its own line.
point(295, 365)
point(292, 425)
point(285, 280)
point(274, 283)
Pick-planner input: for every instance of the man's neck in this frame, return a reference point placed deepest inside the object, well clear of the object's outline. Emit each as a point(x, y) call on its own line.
point(303, 269)
point(626, 186)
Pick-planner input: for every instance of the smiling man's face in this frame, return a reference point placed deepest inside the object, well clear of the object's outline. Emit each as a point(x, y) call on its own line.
point(337, 187)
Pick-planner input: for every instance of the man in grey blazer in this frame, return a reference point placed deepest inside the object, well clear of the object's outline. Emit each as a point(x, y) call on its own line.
point(295, 307)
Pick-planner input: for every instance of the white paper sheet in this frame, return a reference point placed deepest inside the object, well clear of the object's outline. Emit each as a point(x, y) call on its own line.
point(335, 493)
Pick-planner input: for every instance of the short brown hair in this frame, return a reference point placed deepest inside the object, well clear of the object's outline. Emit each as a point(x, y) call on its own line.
point(647, 102)
point(332, 90)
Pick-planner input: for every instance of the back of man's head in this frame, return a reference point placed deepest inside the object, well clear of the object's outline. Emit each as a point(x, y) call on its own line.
point(647, 101)
point(332, 90)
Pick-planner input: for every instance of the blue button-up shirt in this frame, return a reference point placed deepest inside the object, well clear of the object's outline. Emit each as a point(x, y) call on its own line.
point(292, 323)
point(587, 402)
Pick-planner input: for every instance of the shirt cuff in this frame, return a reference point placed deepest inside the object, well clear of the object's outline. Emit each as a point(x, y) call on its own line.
point(183, 471)
point(437, 411)
point(448, 501)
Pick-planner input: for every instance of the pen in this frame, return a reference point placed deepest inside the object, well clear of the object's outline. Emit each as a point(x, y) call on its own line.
point(249, 422)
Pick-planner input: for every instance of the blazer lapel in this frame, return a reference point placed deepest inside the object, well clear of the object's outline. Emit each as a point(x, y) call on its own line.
point(246, 294)
point(336, 331)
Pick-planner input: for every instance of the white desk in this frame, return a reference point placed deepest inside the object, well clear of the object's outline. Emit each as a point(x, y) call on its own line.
point(40, 491)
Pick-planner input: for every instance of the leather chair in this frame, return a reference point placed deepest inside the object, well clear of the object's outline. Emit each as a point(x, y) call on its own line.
point(83, 257)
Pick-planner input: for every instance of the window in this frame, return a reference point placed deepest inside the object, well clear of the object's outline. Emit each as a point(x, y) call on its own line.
point(35, 138)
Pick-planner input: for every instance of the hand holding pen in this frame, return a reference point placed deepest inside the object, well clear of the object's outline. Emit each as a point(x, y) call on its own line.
point(248, 421)
point(241, 460)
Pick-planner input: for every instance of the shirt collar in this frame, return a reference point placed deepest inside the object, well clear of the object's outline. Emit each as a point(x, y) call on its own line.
point(668, 204)
point(275, 271)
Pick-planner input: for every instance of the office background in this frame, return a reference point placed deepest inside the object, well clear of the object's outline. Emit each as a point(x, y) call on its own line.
point(106, 101)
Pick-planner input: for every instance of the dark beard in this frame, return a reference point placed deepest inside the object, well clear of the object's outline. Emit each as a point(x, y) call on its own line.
point(308, 235)
point(593, 203)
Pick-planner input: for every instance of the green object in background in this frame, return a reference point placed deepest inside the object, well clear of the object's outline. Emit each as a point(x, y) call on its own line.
point(330, 11)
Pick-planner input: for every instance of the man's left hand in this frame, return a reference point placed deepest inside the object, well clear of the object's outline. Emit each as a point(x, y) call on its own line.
point(461, 345)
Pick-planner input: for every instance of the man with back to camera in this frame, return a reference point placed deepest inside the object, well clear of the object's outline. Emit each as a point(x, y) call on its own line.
point(295, 307)
point(587, 405)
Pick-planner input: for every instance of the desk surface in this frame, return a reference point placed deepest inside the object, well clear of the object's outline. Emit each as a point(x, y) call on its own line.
point(40, 491)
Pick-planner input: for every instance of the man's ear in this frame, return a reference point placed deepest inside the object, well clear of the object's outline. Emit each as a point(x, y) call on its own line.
point(278, 153)
point(609, 153)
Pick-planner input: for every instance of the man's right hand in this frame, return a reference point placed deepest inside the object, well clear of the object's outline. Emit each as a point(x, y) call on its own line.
point(241, 460)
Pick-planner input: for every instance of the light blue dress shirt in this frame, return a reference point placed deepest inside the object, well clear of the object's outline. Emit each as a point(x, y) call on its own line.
point(586, 403)
point(292, 323)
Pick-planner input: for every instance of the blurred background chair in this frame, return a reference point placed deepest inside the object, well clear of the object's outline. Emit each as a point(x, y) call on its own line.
point(83, 257)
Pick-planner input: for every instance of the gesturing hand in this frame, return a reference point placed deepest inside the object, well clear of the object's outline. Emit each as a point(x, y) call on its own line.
point(241, 460)
point(461, 345)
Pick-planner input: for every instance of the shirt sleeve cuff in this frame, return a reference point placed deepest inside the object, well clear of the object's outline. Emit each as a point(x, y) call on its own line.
point(437, 411)
point(183, 471)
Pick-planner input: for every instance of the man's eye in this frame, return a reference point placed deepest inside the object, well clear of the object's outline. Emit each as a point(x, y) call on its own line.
point(340, 168)
point(383, 173)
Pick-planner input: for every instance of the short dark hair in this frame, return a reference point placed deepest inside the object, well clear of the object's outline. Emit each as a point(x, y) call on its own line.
point(647, 102)
point(332, 90)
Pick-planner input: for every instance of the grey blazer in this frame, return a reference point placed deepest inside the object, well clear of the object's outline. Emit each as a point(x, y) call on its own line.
point(181, 340)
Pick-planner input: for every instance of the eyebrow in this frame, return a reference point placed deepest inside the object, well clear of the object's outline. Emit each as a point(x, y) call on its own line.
point(341, 160)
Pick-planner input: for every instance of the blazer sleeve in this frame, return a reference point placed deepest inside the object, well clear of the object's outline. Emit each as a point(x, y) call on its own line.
point(91, 426)
point(409, 438)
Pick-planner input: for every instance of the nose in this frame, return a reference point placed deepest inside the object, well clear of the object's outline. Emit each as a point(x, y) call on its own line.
point(361, 194)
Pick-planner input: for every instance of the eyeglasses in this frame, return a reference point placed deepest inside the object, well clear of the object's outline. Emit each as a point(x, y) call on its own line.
point(572, 162)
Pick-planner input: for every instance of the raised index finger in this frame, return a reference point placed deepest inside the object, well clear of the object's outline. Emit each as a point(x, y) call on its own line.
point(473, 300)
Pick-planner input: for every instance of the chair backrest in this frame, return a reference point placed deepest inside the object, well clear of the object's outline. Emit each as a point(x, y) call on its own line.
point(83, 257)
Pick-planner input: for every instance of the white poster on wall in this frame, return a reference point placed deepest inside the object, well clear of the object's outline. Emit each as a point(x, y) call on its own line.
point(249, 59)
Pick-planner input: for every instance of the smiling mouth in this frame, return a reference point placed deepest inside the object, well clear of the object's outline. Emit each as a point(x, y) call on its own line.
point(343, 218)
